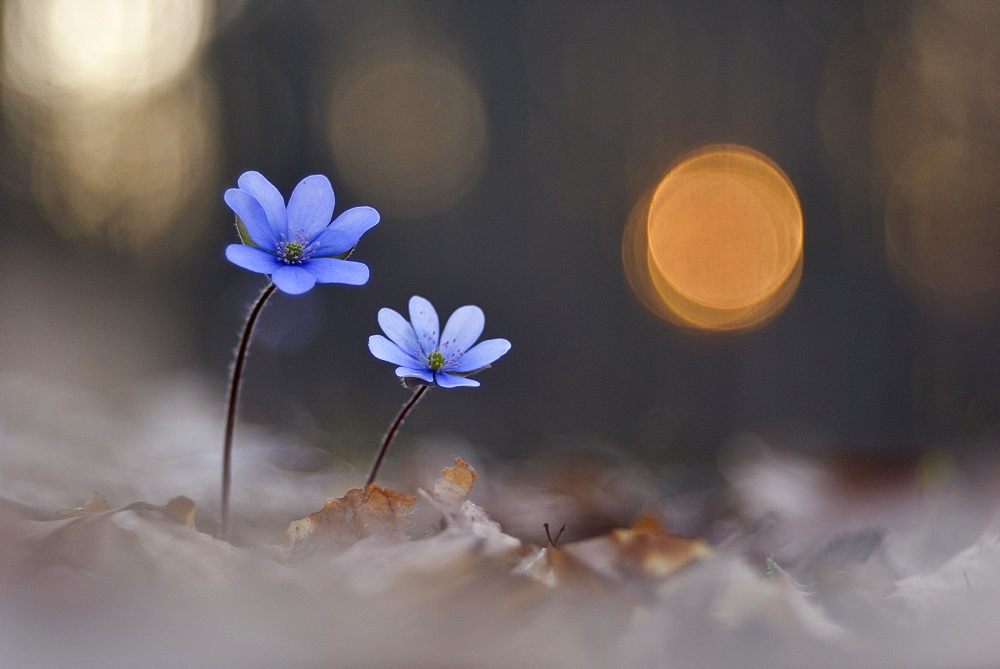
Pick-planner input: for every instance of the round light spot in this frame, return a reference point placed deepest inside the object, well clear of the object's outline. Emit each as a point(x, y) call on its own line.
point(99, 47)
point(722, 245)
point(408, 130)
point(941, 229)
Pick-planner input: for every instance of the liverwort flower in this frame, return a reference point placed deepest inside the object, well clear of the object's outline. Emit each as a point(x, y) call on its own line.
point(422, 353)
point(296, 245)
point(434, 359)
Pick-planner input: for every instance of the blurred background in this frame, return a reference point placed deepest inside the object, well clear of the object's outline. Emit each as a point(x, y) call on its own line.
point(695, 221)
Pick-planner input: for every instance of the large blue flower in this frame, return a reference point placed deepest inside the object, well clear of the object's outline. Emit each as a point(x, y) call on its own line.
point(296, 245)
point(422, 354)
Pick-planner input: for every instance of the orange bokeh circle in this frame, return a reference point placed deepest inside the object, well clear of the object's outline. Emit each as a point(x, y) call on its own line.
point(723, 240)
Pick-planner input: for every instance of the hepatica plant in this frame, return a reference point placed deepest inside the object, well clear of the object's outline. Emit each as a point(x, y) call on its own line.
point(427, 356)
point(297, 246)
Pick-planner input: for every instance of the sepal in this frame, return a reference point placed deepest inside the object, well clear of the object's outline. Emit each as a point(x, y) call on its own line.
point(346, 254)
point(241, 231)
point(413, 382)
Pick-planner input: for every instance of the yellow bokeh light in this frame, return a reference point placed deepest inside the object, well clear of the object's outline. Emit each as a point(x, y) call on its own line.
point(720, 243)
point(934, 137)
point(115, 123)
point(941, 229)
point(132, 175)
point(408, 129)
point(916, 137)
point(99, 47)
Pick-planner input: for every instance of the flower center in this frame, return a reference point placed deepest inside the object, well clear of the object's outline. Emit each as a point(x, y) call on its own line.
point(435, 360)
point(297, 251)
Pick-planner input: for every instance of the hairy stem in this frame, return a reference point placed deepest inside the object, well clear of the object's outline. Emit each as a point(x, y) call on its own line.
point(234, 392)
point(393, 428)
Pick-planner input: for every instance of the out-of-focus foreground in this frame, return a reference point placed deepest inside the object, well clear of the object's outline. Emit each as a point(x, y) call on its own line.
point(793, 561)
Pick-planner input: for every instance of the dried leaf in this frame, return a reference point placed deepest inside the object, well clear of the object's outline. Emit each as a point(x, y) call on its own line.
point(464, 520)
point(451, 491)
point(554, 567)
point(182, 510)
point(644, 550)
point(95, 504)
point(745, 599)
point(360, 513)
point(120, 547)
point(455, 483)
point(971, 576)
point(648, 549)
point(603, 563)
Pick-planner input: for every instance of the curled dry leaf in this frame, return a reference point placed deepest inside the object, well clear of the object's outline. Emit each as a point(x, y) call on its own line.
point(464, 520)
point(360, 513)
point(645, 550)
point(455, 483)
point(555, 568)
point(95, 504)
point(179, 509)
point(182, 510)
point(451, 490)
point(117, 548)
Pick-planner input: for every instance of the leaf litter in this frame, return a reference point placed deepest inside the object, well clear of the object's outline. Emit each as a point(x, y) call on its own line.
point(98, 584)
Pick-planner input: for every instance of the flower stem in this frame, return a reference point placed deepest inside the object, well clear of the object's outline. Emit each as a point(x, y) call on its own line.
point(234, 392)
point(393, 428)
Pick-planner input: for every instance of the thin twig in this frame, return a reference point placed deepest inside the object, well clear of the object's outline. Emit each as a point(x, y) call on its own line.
point(553, 542)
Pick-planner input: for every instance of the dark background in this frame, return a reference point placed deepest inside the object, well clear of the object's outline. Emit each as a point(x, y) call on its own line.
point(505, 173)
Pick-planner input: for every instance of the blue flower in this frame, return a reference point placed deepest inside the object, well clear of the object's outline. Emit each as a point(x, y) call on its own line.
point(296, 245)
point(421, 353)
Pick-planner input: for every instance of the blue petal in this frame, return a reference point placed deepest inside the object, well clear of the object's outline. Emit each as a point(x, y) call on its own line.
point(451, 381)
point(310, 207)
point(334, 270)
point(423, 374)
point(383, 349)
point(481, 355)
point(398, 330)
point(425, 324)
point(343, 234)
point(269, 198)
point(252, 258)
point(253, 217)
point(292, 279)
point(462, 330)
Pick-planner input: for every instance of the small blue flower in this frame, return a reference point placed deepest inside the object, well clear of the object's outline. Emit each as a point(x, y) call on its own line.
point(296, 245)
point(422, 354)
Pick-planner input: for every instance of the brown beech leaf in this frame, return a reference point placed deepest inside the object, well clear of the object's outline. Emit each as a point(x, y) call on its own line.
point(456, 482)
point(451, 491)
point(86, 558)
point(649, 549)
point(467, 527)
point(95, 504)
point(182, 510)
point(554, 567)
point(360, 513)
point(644, 550)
